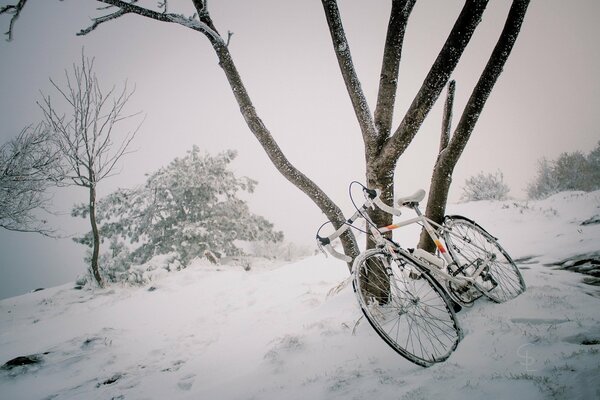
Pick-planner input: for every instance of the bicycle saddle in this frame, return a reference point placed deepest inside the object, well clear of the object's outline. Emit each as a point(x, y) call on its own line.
point(417, 197)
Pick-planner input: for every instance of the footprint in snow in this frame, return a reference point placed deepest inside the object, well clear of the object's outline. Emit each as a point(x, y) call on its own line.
point(186, 382)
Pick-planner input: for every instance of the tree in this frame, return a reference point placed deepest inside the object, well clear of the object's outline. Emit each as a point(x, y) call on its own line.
point(545, 183)
point(383, 145)
point(29, 164)
point(186, 208)
point(570, 171)
point(86, 139)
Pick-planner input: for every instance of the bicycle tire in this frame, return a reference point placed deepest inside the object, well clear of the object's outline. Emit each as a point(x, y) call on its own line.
point(468, 243)
point(409, 311)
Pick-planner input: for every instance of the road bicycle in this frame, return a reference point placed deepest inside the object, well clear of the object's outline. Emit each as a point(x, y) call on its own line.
point(410, 296)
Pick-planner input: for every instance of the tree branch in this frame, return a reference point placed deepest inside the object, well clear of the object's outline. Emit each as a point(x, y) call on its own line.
point(15, 10)
point(275, 154)
point(204, 25)
point(447, 119)
point(357, 97)
point(434, 83)
point(388, 80)
point(487, 80)
point(100, 20)
point(449, 156)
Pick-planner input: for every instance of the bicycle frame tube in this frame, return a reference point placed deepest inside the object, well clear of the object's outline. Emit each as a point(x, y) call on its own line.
point(428, 225)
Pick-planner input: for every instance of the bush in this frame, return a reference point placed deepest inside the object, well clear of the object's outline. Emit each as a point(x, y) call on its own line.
point(571, 171)
point(485, 187)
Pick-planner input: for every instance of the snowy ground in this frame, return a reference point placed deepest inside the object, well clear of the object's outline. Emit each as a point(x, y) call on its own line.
point(282, 333)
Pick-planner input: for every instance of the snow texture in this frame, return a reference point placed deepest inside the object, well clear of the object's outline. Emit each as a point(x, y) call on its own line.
point(211, 332)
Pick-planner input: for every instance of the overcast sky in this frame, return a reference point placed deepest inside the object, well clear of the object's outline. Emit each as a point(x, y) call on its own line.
point(544, 103)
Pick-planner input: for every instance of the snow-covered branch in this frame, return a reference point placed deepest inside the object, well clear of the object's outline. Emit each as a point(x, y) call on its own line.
point(390, 66)
point(203, 25)
point(435, 81)
point(353, 86)
point(197, 25)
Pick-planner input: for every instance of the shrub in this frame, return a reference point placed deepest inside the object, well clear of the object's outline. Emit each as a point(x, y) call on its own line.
point(485, 187)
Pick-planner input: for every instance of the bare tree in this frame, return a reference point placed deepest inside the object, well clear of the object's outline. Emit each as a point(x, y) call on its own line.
point(86, 138)
point(383, 144)
point(29, 164)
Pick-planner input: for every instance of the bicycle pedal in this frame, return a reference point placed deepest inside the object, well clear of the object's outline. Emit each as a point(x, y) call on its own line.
point(489, 283)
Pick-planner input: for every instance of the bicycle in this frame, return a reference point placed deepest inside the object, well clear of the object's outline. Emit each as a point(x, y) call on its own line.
point(409, 295)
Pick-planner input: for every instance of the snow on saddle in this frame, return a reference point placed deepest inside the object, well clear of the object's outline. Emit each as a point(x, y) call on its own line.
point(415, 198)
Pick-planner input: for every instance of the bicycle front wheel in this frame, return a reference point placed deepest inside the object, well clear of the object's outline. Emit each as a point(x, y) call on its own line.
point(470, 245)
point(406, 307)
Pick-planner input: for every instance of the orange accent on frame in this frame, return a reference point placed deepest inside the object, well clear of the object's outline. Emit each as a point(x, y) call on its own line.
point(440, 247)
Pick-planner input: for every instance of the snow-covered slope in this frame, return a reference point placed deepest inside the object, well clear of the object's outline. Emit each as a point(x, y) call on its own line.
point(294, 332)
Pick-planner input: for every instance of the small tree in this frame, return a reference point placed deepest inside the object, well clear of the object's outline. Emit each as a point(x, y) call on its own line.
point(29, 164)
point(86, 138)
point(188, 207)
point(485, 187)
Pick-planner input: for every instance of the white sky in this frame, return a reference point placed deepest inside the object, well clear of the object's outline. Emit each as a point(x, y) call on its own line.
point(543, 104)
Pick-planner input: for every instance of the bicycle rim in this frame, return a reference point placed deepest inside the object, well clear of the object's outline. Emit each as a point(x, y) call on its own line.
point(470, 244)
point(406, 307)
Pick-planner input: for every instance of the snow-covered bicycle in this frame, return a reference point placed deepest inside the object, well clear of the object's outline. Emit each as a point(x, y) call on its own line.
point(409, 296)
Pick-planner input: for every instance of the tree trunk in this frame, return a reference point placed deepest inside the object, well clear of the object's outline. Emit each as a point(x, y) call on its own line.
point(441, 177)
point(384, 181)
point(95, 235)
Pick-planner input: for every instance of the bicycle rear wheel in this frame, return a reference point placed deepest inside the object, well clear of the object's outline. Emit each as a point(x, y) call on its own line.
point(406, 307)
point(470, 245)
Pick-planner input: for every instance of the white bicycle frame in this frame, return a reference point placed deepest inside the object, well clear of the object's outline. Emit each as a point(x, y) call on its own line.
point(393, 248)
point(429, 225)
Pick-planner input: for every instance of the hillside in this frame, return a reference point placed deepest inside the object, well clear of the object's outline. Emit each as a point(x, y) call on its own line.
point(293, 332)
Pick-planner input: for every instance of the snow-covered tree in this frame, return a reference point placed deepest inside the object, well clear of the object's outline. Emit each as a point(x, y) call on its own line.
point(545, 182)
point(29, 164)
point(83, 123)
point(485, 187)
point(570, 171)
point(190, 206)
point(593, 160)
